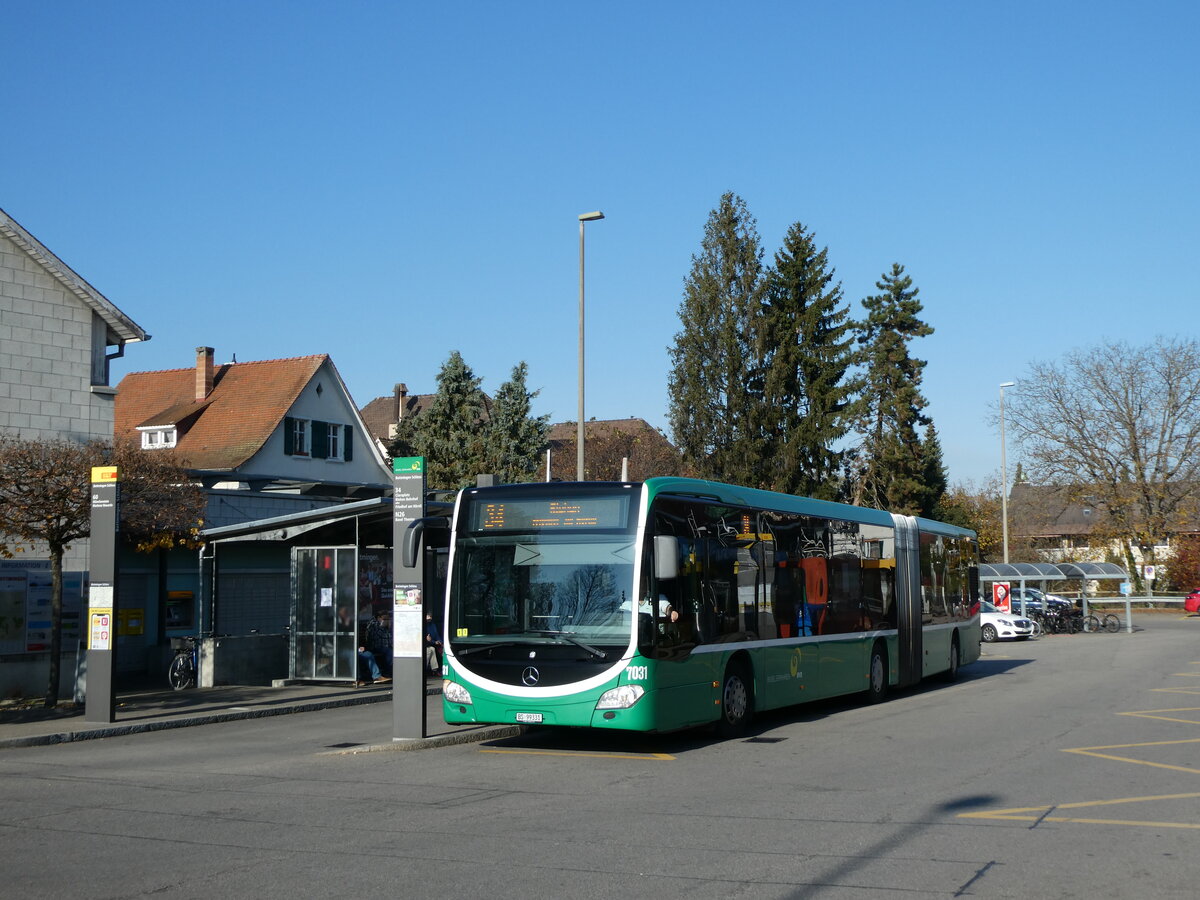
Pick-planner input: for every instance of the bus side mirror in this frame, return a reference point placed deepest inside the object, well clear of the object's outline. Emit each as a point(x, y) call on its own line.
point(412, 540)
point(666, 557)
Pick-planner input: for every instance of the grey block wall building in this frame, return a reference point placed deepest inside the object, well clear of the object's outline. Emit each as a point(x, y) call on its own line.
point(58, 336)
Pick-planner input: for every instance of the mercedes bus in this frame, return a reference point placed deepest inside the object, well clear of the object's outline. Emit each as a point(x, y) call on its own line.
point(676, 602)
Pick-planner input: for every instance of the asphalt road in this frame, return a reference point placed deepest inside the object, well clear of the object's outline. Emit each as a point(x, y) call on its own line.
point(1063, 767)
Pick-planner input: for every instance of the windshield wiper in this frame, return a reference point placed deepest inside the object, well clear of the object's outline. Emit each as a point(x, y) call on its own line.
point(599, 654)
point(467, 651)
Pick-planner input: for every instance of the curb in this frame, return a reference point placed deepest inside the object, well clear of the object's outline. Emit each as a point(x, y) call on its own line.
point(476, 735)
point(119, 730)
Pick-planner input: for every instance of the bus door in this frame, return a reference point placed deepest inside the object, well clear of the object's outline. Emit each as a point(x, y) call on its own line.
point(908, 599)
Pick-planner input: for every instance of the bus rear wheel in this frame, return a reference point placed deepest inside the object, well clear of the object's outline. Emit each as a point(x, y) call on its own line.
point(877, 675)
point(951, 673)
point(737, 701)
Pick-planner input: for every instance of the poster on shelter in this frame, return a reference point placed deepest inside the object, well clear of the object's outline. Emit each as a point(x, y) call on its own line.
point(25, 606)
point(12, 610)
point(1001, 596)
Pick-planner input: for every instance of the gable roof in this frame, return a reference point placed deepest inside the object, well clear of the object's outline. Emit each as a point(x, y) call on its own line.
point(247, 402)
point(1040, 511)
point(120, 325)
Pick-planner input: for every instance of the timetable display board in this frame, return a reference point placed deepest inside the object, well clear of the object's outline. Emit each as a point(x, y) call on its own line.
point(549, 514)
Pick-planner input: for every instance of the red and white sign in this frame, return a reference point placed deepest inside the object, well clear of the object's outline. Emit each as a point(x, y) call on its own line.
point(101, 629)
point(1001, 596)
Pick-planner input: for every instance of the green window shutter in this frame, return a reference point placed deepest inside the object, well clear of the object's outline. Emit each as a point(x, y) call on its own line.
point(320, 440)
point(289, 436)
point(348, 445)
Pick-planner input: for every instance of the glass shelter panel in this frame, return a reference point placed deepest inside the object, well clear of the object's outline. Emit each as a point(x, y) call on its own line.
point(324, 613)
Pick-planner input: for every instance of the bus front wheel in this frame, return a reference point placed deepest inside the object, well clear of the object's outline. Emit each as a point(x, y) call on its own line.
point(737, 701)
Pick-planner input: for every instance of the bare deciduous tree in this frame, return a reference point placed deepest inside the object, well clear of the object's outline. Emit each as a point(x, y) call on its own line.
point(607, 444)
point(1119, 424)
point(45, 496)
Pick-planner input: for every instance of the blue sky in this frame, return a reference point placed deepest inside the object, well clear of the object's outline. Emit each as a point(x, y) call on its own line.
point(388, 182)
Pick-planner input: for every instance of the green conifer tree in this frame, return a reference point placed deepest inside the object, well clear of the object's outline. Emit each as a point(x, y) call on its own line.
point(515, 438)
point(934, 475)
point(890, 472)
point(805, 343)
point(710, 386)
point(450, 434)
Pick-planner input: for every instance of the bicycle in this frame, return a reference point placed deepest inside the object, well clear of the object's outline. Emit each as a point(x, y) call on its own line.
point(1060, 623)
point(1106, 622)
point(184, 667)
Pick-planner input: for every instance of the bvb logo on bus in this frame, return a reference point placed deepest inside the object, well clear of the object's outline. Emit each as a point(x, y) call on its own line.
point(796, 662)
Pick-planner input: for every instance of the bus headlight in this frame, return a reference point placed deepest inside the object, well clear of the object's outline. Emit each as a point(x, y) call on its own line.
point(621, 697)
point(455, 692)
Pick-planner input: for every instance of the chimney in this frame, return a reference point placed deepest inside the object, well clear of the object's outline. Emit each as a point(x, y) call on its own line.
point(401, 395)
point(204, 372)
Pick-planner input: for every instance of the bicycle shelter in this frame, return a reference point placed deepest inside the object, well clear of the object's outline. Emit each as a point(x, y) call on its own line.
point(1041, 572)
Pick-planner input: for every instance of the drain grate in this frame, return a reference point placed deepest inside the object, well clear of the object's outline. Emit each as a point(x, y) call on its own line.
point(763, 740)
point(342, 746)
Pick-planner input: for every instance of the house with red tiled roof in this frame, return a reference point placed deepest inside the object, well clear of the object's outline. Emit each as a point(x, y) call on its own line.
point(276, 432)
point(382, 415)
point(267, 439)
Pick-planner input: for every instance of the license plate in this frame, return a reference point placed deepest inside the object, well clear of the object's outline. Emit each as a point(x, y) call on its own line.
point(530, 718)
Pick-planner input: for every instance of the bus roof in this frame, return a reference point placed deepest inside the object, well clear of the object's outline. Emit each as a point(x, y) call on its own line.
point(726, 493)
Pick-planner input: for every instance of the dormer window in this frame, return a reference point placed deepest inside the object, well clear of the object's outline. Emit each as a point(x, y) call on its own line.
point(158, 437)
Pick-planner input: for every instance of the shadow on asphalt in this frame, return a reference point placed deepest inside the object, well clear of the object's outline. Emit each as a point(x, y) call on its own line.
point(582, 740)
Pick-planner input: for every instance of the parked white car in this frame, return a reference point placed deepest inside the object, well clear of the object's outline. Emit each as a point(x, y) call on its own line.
point(997, 626)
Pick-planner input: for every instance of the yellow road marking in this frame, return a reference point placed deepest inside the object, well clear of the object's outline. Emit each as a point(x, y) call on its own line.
point(1039, 813)
point(1042, 813)
point(1091, 751)
point(658, 757)
point(1154, 714)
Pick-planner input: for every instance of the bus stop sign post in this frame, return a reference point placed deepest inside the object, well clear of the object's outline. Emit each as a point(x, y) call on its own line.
point(408, 610)
point(100, 703)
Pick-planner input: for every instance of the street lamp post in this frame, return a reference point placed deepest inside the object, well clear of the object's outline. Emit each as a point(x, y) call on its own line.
point(1003, 474)
point(584, 217)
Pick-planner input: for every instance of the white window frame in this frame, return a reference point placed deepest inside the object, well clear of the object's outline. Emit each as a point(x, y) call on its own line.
point(335, 444)
point(300, 437)
point(158, 438)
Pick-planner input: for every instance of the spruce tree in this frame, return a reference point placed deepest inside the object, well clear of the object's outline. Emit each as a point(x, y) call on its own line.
point(712, 359)
point(890, 462)
point(450, 434)
point(515, 439)
point(934, 475)
point(806, 346)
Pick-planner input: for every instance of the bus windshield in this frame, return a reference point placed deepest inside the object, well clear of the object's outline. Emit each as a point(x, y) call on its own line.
point(527, 575)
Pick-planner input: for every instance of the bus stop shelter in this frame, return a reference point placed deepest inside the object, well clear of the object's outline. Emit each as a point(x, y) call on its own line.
point(1083, 572)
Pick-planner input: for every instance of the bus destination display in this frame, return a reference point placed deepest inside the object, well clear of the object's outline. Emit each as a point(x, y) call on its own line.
point(567, 513)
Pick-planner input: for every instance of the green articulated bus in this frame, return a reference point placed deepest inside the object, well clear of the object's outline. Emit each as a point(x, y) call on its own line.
point(676, 603)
